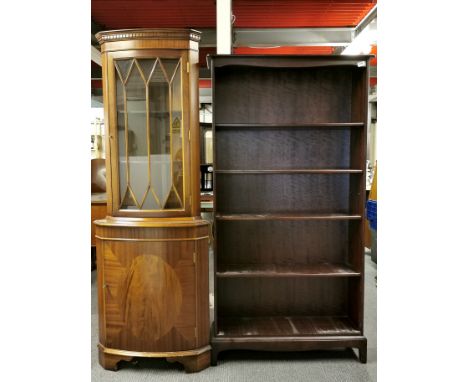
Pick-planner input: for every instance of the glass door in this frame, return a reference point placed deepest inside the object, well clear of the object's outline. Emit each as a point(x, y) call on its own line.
point(149, 127)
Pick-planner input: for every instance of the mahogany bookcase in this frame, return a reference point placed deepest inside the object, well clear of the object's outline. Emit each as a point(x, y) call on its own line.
point(289, 181)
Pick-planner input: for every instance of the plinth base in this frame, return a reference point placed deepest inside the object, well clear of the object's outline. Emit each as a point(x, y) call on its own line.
point(192, 360)
point(283, 344)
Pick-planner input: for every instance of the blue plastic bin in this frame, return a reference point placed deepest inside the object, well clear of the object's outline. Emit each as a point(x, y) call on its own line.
point(371, 213)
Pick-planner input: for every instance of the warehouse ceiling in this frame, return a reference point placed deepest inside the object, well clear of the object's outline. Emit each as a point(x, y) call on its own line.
point(118, 14)
point(259, 26)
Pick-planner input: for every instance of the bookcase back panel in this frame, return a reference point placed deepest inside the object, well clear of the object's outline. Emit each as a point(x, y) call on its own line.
point(282, 242)
point(282, 148)
point(276, 95)
point(283, 297)
point(282, 193)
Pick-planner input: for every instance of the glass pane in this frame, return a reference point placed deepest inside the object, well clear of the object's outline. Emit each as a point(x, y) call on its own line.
point(170, 65)
point(150, 202)
point(159, 135)
point(128, 199)
point(120, 106)
point(123, 66)
point(176, 196)
point(137, 143)
point(146, 66)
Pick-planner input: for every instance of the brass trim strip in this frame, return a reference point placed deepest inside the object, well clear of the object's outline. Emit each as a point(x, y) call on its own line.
point(183, 353)
point(197, 269)
point(142, 239)
point(151, 223)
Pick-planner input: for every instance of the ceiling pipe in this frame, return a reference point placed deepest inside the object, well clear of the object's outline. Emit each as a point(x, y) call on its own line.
point(366, 21)
point(96, 55)
point(271, 37)
point(362, 43)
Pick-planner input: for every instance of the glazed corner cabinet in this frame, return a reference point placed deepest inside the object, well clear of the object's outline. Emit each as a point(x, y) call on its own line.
point(289, 190)
point(152, 247)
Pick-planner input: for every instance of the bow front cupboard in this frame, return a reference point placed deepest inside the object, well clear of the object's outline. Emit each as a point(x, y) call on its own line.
point(152, 248)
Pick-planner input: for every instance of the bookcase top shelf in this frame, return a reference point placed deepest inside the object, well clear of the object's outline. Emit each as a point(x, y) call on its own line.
point(280, 61)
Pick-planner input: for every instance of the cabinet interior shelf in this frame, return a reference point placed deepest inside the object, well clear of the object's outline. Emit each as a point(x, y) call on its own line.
point(304, 125)
point(151, 112)
point(287, 216)
point(285, 326)
point(292, 171)
point(286, 270)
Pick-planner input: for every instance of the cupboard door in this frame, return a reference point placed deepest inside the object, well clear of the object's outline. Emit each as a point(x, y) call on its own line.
point(149, 295)
point(146, 95)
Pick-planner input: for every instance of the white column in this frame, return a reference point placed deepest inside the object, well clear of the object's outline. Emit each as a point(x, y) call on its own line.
point(223, 27)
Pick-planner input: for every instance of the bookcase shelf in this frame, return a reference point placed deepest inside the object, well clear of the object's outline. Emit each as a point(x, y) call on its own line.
point(293, 171)
point(286, 216)
point(289, 125)
point(286, 326)
point(289, 191)
point(286, 270)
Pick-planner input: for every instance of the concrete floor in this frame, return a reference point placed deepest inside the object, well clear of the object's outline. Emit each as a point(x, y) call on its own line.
point(317, 366)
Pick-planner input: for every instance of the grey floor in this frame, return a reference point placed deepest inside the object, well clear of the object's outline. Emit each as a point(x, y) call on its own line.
point(329, 366)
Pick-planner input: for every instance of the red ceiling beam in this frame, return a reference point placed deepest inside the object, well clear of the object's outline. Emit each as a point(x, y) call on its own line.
point(117, 14)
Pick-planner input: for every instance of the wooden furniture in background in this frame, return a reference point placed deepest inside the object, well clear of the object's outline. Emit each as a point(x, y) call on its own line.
point(98, 200)
point(152, 248)
point(98, 175)
point(98, 194)
point(289, 161)
point(98, 211)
